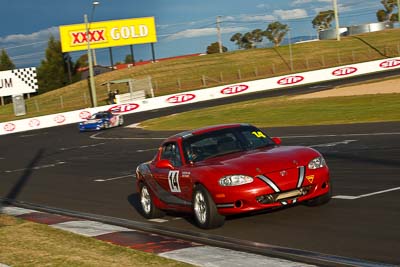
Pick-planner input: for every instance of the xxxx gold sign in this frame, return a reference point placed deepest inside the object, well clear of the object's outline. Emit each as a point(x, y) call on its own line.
point(108, 34)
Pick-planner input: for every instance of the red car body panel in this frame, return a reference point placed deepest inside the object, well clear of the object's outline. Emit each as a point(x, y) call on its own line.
point(279, 171)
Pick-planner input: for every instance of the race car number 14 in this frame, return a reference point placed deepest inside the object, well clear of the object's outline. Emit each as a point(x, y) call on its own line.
point(173, 180)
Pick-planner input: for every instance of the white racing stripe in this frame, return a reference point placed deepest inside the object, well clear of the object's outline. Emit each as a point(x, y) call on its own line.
point(269, 182)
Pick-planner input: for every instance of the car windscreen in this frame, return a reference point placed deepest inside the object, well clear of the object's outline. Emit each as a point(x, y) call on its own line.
point(225, 141)
point(99, 116)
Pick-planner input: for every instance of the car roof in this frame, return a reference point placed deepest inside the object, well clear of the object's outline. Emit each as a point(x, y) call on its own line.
point(103, 112)
point(204, 130)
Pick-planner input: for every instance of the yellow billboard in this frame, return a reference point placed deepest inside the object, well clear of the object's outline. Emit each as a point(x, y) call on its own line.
point(108, 33)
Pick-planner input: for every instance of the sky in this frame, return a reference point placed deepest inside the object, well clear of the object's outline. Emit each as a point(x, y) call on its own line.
point(183, 26)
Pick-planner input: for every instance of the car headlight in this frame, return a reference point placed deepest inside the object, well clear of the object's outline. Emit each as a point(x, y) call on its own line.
point(234, 180)
point(316, 163)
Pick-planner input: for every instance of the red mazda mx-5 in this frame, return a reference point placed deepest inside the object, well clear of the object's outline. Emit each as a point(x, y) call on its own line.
point(229, 169)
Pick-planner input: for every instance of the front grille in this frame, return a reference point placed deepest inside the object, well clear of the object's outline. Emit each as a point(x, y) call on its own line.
point(283, 196)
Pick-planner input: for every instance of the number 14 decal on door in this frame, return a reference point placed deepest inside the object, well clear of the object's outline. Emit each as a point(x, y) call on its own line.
point(173, 180)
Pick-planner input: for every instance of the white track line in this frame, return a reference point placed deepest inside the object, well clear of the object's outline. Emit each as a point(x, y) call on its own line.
point(339, 135)
point(37, 167)
point(95, 136)
point(365, 195)
point(114, 178)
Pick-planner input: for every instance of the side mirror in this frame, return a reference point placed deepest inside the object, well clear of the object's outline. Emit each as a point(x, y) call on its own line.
point(277, 140)
point(164, 164)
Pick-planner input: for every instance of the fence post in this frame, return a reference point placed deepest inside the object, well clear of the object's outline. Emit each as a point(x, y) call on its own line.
point(36, 105)
point(353, 55)
point(307, 63)
point(156, 85)
point(178, 82)
point(256, 71)
point(84, 98)
point(273, 69)
point(239, 75)
point(61, 101)
point(221, 77)
point(203, 79)
point(323, 60)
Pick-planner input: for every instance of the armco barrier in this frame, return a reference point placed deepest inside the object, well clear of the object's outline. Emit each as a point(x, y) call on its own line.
point(203, 95)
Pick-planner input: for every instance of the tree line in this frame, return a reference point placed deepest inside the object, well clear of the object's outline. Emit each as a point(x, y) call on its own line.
point(276, 31)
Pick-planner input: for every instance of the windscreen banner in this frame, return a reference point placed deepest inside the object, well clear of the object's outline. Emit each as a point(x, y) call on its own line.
point(107, 34)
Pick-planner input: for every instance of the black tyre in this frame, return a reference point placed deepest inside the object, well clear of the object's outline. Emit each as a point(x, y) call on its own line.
point(204, 209)
point(320, 200)
point(149, 210)
point(106, 125)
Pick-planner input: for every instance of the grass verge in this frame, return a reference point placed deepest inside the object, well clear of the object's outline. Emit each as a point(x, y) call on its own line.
point(184, 74)
point(25, 243)
point(283, 111)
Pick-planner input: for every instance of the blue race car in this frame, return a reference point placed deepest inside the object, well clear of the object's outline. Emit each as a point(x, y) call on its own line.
point(101, 120)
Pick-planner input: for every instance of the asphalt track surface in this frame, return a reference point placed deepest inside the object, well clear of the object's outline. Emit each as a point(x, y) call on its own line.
point(93, 173)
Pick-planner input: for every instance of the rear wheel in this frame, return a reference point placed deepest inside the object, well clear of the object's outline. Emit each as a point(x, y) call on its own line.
point(204, 209)
point(150, 211)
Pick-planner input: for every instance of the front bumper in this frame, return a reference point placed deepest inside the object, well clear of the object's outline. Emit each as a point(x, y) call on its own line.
point(260, 196)
point(90, 127)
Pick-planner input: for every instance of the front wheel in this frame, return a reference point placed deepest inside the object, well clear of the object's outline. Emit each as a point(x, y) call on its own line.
point(150, 211)
point(204, 209)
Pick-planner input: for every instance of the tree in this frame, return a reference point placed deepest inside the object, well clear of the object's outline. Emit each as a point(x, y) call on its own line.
point(387, 14)
point(5, 61)
point(254, 37)
point(323, 20)
point(275, 32)
point(214, 48)
point(52, 70)
point(129, 59)
point(249, 39)
point(237, 37)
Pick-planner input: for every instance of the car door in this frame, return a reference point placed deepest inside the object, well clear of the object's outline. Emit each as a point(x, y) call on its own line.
point(174, 181)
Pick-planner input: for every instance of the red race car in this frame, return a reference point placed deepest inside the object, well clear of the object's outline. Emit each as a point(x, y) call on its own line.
point(229, 169)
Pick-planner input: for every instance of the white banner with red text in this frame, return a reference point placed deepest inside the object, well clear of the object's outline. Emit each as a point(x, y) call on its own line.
point(203, 95)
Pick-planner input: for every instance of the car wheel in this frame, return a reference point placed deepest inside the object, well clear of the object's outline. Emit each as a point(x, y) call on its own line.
point(320, 200)
point(204, 209)
point(121, 121)
point(106, 125)
point(150, 211)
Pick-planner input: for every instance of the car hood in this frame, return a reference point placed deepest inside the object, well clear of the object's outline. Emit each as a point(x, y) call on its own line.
point(261, 161)
point(93, 121)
